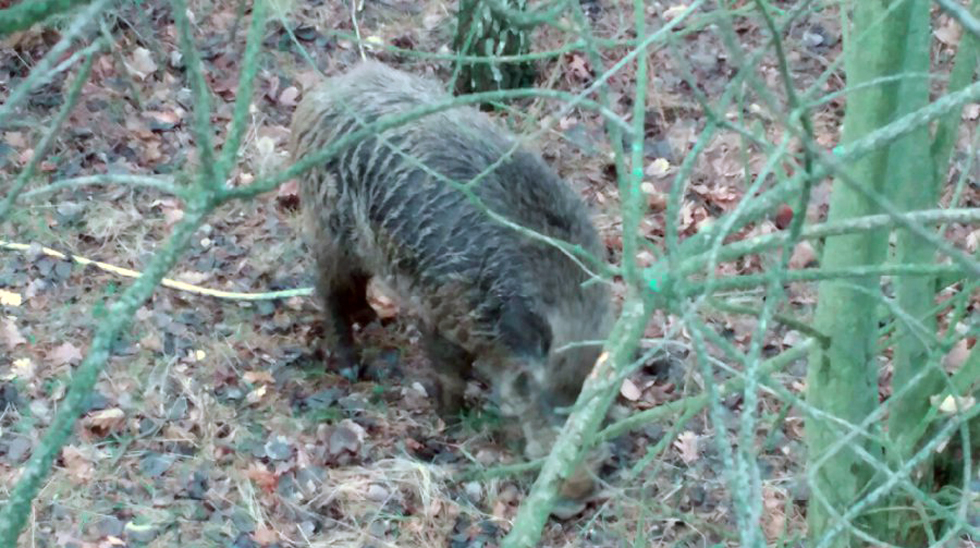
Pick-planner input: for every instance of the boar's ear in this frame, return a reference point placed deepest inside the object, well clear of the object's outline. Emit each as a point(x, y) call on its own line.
point(524, 330)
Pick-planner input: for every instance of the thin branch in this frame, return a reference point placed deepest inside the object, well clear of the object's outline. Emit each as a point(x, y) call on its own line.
point(162, 184)
point(42, 72)
point(246, 80)
point(41, 151)
point(202, 104)
point(25, 14)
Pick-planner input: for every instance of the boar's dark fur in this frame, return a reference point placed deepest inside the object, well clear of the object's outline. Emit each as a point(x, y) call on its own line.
point(488, 297)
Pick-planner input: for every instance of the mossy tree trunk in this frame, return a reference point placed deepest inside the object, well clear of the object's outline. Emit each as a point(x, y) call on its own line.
point(842, 379)
point(486, 32)
point(915, 185)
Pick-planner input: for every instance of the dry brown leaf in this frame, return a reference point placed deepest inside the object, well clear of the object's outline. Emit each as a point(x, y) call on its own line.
point(152, 341)
point(580, 67)
point(289, 189)
point(803, 255)
point(773, 519)
point(23, 369)
point(253, 377)
point(106, 420)
point(674, 11)
point(973, 241)
point(141, 63)
point(687, 446)
point(658, 168)
point(951, 404)
point(956, 357)
point(11, 335)
point(166, 117)
point(630, 391)
point(65, 353)
point(15, 139)
point(288, 96)
point(949, 33)
point(264, 535)
point(262, 477)
point(193, 277)
point(256, 395)
point(77, 464)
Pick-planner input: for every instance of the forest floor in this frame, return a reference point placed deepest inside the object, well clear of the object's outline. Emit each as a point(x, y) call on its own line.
point(215, 423)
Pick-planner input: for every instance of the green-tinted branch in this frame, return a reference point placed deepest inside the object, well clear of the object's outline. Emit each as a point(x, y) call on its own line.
point(45, 69)
point(41, 151)
point(250, 67)
point(14, 514)
point(867, 223)
point(579, 429)
point(28, 12)
point(162, 184)
point(199, 88)
point(636, 420)
point(964, 67)
point(810, 275)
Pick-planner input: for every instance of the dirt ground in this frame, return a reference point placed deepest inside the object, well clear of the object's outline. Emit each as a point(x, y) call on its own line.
point(215, 423)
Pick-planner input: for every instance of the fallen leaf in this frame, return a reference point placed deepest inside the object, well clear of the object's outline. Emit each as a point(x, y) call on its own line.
point(347, 436)
point(629, 390)
point(65, 353)
point(141, 63)
point(164, 116)
point(288, 96)
point(658, 168)
point(657, 201)
point(105, 420)
point(151, 341)
point(774, 519)
point(264, 535)
point(674, 11)
point(24, 369)
point(949, 33)
point(952, 405)
point(687, 446)
point(580, 67)
point(253, 377)
point(11, 335)
point(256, 395)
point(193, 277)
point(954, 359)
point(77, 464)
point(15, 139)
point(262, 477)
point(803, 256)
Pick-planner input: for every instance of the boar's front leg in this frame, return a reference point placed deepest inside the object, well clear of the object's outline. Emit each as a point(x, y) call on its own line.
point(343, 293)
point(452, 365)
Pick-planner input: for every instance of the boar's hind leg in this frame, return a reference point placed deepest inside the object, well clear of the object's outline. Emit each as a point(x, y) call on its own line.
point(344, 298)
point(452, 365)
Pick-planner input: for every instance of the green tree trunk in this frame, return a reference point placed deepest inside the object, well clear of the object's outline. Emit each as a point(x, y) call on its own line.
point(915, 183)
point(482, 32)
point(842, 378)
